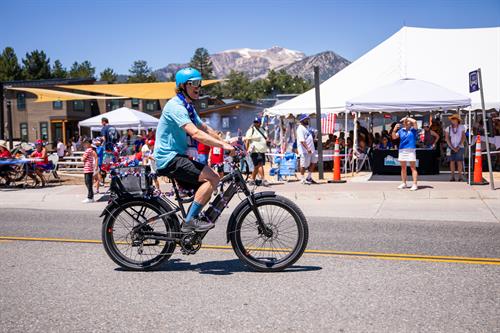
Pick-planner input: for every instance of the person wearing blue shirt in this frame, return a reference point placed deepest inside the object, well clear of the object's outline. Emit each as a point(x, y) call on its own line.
point(407, 135)
point(178, 120)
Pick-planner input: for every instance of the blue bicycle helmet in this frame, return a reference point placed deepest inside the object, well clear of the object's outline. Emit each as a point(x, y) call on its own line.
point(186, 74)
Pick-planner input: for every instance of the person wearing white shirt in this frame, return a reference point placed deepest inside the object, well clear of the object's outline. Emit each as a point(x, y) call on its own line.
point(455, 138)
point(305, 147)
point(61, 149)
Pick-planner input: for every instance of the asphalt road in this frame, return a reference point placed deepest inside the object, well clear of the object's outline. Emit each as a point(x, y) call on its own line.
point(60, 286)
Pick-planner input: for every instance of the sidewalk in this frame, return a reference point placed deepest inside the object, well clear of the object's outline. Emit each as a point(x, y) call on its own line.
point(379, 200)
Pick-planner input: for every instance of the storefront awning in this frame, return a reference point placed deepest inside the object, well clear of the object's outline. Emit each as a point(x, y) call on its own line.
point(48, 95)
point(155, 90)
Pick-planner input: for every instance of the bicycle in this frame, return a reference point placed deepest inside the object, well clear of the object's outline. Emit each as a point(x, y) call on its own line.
point(141, 230)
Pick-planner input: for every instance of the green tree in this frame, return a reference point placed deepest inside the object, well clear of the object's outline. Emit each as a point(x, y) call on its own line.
point(283, 83)
point(202, 62)
point(9, 66)
point(36, 66)
point(238, 86)
point(140, 72)
point(58, 71)
point(82, 71)
point(108, 75)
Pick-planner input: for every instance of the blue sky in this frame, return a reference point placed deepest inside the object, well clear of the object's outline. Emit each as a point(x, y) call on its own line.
point(115, 33)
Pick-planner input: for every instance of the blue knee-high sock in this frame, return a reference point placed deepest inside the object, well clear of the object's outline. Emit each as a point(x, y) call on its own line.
point(194, 211)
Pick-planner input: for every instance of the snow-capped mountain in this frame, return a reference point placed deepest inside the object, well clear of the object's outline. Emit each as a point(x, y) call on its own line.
point(329, 64)
point(257, 63)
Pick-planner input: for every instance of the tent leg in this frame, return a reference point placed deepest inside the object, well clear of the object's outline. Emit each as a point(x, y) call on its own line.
point(469, 144)
point(346, 133)
point(355, 142)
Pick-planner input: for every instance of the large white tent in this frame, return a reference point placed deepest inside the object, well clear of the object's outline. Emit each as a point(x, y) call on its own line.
point(441, 56)
point(122, 118)
point(408, 95)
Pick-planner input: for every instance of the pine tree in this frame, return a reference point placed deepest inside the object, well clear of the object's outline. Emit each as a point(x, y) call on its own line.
point(108, 75)
point(58, 71)
point(9, 66)
point(140, 72)
point(82, 71)
point(36, 66)
point(238, 86)
point(202, 62)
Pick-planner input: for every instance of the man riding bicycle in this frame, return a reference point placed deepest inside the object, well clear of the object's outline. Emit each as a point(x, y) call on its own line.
point(179, 119)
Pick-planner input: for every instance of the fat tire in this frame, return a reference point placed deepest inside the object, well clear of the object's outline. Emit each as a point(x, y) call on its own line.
point(303, 231)
point(115, 255)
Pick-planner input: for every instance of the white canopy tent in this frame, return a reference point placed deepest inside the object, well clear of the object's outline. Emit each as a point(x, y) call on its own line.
point(122, 118)
point(442, 56)
point(408, 95)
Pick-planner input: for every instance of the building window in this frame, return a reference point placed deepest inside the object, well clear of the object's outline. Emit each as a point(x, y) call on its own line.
point(114, 104)
point(135, 103)
point(21, 101)
point(152, 105)
point(57, 105)
point(44, 131)
point(225, 122)
point(78, 106)
point(24, 131)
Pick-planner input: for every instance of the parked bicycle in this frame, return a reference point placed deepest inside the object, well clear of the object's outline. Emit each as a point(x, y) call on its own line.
point(141, 230)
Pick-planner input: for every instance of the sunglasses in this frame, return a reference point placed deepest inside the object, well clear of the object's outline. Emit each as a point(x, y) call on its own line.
point(194, 83)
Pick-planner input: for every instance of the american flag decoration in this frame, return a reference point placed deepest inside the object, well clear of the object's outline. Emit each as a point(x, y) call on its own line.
point(328, 123)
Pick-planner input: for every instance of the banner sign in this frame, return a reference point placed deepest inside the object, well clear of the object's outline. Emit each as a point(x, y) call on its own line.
point(473, 81)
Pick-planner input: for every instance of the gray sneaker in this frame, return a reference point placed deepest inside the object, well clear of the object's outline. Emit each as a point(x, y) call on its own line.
point(265, 183)
point(197, 225)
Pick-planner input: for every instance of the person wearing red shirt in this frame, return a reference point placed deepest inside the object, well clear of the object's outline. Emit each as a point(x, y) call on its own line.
point(203, 151)
point(216, 159)
point(4, 151)
point(41, 154)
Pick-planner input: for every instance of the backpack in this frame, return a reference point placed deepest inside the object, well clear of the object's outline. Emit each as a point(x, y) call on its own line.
point(112, 135)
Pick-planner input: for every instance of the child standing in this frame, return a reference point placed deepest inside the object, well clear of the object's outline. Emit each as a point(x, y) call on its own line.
point(89, 168)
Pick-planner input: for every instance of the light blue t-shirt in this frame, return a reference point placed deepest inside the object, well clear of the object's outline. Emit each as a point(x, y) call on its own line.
point(408, 139)
point(171, 139)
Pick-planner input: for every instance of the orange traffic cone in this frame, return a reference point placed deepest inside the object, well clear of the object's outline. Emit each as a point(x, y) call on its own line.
point(478, 165)
point(336, 165)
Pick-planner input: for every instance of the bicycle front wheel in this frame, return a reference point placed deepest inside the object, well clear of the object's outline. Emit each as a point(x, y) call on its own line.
point(129, 246)
point(275, 251)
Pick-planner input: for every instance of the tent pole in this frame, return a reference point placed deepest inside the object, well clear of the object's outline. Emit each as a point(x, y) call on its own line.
point(355, 141)
point(346, 157)
point(485, 125)
point(469, 144)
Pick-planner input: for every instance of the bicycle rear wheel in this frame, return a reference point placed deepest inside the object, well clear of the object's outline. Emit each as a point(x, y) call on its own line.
point(127, 245)
point(274, 252)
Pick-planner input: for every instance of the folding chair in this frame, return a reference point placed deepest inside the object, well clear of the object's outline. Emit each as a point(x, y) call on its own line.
point(52, 171)
point(288, 167)
point(362, 159)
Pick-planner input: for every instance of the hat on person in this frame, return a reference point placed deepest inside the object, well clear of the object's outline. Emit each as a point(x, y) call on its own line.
point(303, 117)
point(257, 120)
point(151, 142)
point(425, 124)
point(39, 142)
point(455, 116)
point(3, 144)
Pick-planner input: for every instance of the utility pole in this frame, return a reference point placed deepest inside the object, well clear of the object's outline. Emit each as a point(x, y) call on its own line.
point(9, 124)
point(2, 113)
point(318, 122)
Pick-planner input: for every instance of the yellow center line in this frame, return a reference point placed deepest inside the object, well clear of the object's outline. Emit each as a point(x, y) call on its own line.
point(312, 252)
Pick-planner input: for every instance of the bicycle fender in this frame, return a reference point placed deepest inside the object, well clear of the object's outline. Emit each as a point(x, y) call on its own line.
point(116, 203)
point(231, 224)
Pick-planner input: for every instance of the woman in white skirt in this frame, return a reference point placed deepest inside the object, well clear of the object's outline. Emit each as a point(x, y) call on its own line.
point(407, 149)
